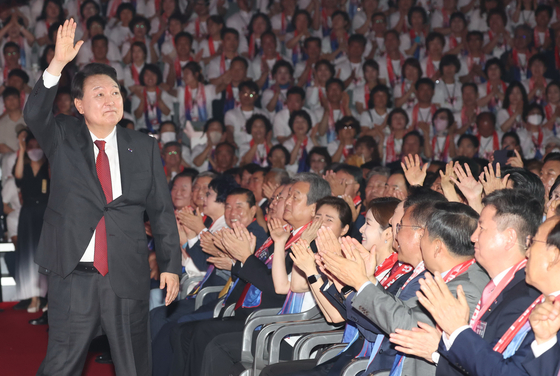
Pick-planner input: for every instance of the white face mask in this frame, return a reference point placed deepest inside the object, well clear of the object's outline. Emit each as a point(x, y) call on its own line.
point(166, 137)
point(35, 154)
point(214, 137)
point(535, 119)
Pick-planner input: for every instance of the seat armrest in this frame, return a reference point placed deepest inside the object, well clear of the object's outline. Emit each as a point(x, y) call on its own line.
point(199, 300)
point(305, 345)
point(330, 353)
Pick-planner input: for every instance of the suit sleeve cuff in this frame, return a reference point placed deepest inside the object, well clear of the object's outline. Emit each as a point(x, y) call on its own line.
point(193, 241)
point(364, 286)
point(448, 340)
point(49, 80)
point(435, 357)
point(538, 350)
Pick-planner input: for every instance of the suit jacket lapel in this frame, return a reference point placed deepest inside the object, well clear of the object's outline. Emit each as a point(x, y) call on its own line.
point(517, 278)
point(85, 144)
point(126, 161)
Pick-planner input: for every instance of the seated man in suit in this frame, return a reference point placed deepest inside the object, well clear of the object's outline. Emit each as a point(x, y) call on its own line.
point(239, 207)
point(508, 218)
point(190, 340)
point(446, 248)
point(518, 351)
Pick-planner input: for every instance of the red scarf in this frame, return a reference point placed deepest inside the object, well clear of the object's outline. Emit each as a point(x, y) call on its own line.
point(495, 142)
point(390, 71)
point(211, 48)
point(386, 265)
point(390, 153)
point(135, 75)
point(430, 68)
point(200, 100)
point(366, 96)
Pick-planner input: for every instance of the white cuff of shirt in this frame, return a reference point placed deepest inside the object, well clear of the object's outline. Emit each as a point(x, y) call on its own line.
point(538, 350)
point(49, 80)
point(448, 341)
point(435, 357)
point(193, 241)
point(364, 286)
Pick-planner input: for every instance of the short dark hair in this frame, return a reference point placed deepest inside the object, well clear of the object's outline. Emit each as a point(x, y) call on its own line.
point(328, 64)
point(494, 61)
point(425, 81)
point(544, 8)
point(449, 60)
point(413, 63)
point(475, 33)
point(100, 37)
point(370, 63)
point(251, 85)
point(223, 185)
point(471, 138)
point(344, 15)
point(336, 81)
point(10, 45)
point(213, 120)
point(518, 209)
point(356, 172)
point(171, 144)
point(448, 114)
point(309, 40)
point(229, 30)
point(380, 88)
point(526, 180)
point(282, 63)
point(322, 151)
point(417, 9)
point(186, 173)
point(469, 84)
point(506, 102)
point(139, 19)
point(552, 157)
point(95, 19)
point(303, 114)
point(92, 69)
point(433, 36)
point(305, 13)
point(10, 91)
point(228, 145)
point(418, 195)
point(183, 34)
point(241, 60)
point(341, 206)
point(395, 111)
point(358, 38)
point(513, 135)
point(414, 134)
point(19, 73)
point(283, 149)
point(125, 6)
point(155, 70)
point(255, 117)
point(296, 90)
point(249, 196)
point(453, 223)
point(345, 121)
point(140, 45)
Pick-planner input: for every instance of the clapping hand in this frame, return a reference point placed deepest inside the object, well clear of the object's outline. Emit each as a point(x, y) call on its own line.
point(310, 233)
point(421, 342)
point(277, 231)
point(239, 242)
point(192, 221)
point(207, 243)
point(471, 188)
point(493, 181)
point(303, 257)
point(447, 186)
point(450, 313)
point(350, 269)
point(338, 186)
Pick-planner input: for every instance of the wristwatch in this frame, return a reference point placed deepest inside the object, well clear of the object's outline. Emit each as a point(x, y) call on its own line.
point(346, 289)
point(313, 278)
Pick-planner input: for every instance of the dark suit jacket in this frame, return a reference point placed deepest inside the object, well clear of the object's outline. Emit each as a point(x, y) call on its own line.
point(546, 364)
point(507, 307)
point(77, 203)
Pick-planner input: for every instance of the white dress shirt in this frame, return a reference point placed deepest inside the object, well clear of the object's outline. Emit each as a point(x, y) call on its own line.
point(112, 151)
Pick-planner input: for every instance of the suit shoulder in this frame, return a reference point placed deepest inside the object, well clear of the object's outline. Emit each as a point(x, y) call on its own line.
point(138, 137)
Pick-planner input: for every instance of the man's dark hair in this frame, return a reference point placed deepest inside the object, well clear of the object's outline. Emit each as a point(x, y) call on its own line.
point(213, 120)
point(95, 19)
point(425, 81)
point(249, 196)
point(356, 172)
point(471, 138)
point(358, 38)
point(183, 34)
point(92, 69)
point(422, 196)
point(453, 223)
point(380, 88)
point(414, 134)
point(171, 144)
point(228, 145)
point(100, 37)
point(469, 84)
point(20, 73)
point(125, 6)
point(318, 187)
point(449, 60)
point(250, 168)
point(348, 121)
point(433, 36)
point(251, 85)
point(327, 64)
point(137, 20)
point(296, 90)
point(311, 40)
point(186, 173)
point(395, 111)
point(516, 209)
point(552, 157)
point(142, 46)
point(341, 206)
point(544, 8)
point(526, 180)
point(10, 91)
point(223, 185)
point(417, 9)
point(10, 45)
point(475, 167)
point(229, 30)
point(334, 80)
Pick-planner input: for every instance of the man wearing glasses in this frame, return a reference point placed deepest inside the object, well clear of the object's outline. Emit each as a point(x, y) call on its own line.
point(172, 159)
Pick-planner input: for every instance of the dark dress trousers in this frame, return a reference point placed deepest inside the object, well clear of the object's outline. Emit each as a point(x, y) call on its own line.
point(82, 303)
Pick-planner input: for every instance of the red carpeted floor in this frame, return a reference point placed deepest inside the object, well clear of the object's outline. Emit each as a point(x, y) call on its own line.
point(23, 346)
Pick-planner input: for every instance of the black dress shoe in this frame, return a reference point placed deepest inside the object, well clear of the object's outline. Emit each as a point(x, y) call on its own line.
point(104, 358)
point(43, 320)
point(23, 304)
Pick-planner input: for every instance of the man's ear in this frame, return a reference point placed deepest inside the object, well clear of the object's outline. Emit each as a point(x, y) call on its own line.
point(312, 208)
point(254, 211)
point(79, 105)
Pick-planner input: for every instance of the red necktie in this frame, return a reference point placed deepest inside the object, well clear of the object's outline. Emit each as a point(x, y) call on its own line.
point(104, 176)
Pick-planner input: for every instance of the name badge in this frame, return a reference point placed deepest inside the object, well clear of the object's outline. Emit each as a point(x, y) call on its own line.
point(481, 328)
point(44, 186)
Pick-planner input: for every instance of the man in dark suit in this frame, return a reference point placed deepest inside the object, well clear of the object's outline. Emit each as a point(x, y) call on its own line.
point(508, 218)
point(93, 244)
point(538, 352)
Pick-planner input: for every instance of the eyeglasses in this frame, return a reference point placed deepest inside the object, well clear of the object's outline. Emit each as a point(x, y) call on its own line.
point(399, 226)
point(379, 21)
point(322, 160)
point(250, 95)
point(12, 53)
point(530, 240)
point(140, 26)
point(172, 153)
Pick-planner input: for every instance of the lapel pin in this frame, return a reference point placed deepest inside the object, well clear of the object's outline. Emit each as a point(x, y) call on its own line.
point(130, 150)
